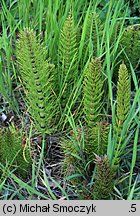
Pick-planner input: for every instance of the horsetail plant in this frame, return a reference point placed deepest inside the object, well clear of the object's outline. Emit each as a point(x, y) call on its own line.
point(104, 178)
point(131, 43)
point(97, 130)
point(96, 34)
point(14, 151)
point(98, 138)
point(122, 103)
point(37, 76)
point(91, 34)
point(67, 59)
point(93, 91)
point(74, 159)
point(123, 97)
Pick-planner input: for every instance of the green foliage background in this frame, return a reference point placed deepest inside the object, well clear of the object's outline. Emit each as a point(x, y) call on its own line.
point(71, 68)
